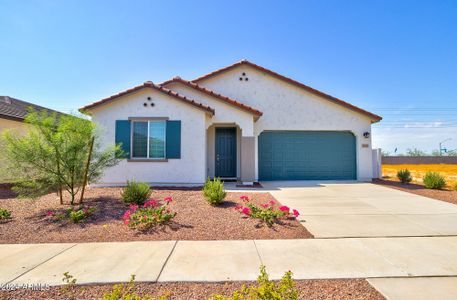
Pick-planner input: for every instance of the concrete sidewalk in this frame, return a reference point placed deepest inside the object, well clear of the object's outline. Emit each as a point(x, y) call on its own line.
point(168, 261)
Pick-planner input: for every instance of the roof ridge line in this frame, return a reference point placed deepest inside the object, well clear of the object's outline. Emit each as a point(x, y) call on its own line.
point(375, 118)
point(214, 94)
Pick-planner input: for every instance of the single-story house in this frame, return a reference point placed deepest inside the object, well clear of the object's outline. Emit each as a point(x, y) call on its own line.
point(241, 122)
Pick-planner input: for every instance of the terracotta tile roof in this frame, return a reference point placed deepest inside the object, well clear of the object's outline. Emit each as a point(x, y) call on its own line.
point(15, 109)
point(375, 118)
point(214, 94)
point(149, 84)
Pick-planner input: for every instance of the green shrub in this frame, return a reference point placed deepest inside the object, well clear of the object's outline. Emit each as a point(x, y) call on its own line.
point(136, 192)
point(434, 180)
point(4, 214)
point(265, 289)
point(214, 191)
point(124, 292)
point(80, 213)
point(74, 214)
point(455, 186)
point(404, 176)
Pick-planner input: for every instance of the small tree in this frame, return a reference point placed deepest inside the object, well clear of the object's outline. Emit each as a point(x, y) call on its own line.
point(415, 152)
point(53, 155)
point(385, 153)
point(452, 152)
point(436, 152)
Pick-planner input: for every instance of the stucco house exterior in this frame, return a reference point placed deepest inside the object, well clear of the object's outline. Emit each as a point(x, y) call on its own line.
point(241, 122)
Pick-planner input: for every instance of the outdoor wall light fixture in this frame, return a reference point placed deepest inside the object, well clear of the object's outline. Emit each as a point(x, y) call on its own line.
point(366, 134)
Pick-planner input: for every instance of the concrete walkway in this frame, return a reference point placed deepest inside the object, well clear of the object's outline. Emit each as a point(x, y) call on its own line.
point(417, 288)
point(354, 209)
point(168, 261)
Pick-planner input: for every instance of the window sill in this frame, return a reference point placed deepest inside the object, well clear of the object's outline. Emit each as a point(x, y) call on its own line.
point(146, 160)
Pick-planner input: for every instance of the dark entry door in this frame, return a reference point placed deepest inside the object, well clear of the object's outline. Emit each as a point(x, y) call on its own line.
point(225, 152)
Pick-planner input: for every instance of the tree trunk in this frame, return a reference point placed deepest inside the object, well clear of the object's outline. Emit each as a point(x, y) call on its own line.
point(59, 175)
point(89, 156)
point(72, 194)
point(60, 195)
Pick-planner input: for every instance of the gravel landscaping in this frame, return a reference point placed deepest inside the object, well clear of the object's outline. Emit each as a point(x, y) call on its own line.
point(309, 289)
point(443, 195)
point(195, 219)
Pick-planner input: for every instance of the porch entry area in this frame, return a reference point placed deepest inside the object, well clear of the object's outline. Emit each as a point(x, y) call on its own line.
point(225, 152)
point(230, 154)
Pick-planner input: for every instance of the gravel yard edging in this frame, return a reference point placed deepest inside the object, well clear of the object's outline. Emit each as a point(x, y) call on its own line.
point(442, 195)
point(357, 289)
point(195, 219)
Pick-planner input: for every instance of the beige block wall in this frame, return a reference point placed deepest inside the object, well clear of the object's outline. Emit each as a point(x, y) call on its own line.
point(10, 124)
point(18, 127)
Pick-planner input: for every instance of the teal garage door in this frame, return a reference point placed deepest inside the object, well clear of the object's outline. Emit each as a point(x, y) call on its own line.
point(306, 155)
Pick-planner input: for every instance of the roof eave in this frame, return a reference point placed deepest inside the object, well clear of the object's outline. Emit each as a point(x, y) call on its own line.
point(12, 118)
point(148, 84)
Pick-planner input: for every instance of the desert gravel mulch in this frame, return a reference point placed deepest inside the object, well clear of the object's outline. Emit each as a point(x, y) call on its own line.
point(195, 219)
point(443, 195)
point(309, 289)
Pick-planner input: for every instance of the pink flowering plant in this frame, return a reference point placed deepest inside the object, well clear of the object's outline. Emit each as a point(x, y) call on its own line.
point(151, 213)
point(268, 213)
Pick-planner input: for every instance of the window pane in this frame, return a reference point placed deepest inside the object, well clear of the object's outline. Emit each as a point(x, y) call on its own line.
point(157, 139)
point(140, 139)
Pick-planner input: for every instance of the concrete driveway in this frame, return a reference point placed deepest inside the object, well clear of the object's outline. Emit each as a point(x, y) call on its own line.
point(354, 209)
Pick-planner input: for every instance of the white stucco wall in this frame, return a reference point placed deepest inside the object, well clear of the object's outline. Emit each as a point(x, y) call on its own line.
point(225, 113)
point(189, 169)
point(288, 107)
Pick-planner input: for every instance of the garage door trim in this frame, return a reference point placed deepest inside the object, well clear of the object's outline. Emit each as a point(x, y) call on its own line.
point(307, 155)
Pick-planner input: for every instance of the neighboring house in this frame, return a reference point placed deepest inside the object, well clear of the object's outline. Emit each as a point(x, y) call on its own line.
point(241, 122)
point(12, 116)
point(14, 111)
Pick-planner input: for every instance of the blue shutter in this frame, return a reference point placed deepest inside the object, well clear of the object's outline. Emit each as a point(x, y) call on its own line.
point(173, 138)
point(122, 136)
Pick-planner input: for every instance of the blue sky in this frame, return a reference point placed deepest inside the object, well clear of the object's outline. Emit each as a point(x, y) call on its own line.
point(395, 58)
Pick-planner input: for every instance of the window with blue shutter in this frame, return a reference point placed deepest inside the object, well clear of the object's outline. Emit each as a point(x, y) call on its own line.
point(173, 139)
point(150, 139)
point(122, 136)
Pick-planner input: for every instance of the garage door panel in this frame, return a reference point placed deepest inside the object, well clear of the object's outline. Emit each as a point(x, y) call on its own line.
point(301, 155)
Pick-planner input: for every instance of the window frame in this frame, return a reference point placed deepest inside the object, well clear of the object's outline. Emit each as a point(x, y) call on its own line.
point(148, 121)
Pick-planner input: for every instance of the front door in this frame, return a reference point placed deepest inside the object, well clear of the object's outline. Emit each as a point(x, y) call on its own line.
point(226, 152)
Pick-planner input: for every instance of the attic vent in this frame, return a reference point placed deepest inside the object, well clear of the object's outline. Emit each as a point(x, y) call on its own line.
point(6, 99)
point(243, 77)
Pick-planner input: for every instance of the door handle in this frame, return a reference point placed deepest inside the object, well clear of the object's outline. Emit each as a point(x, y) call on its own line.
point(217, 157)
